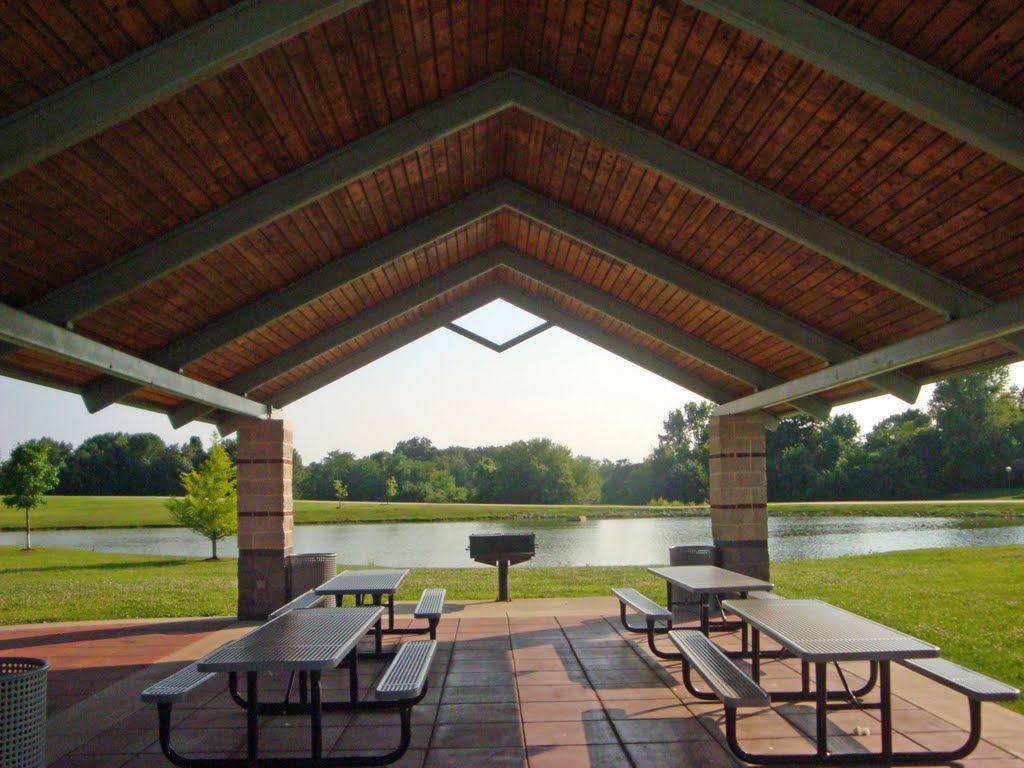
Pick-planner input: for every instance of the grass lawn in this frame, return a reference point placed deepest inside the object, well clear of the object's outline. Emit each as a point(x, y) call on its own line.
point(968, 601)
point(149, 511)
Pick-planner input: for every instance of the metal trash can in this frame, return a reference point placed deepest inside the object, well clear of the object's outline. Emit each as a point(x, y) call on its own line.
point(308, 571)
point(23, 712)
point(690, 555)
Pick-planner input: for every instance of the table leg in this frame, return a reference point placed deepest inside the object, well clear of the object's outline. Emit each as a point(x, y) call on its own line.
point(821, 706)
point(668, 596)
point(252, 719)
point(885, 691)
point(705, 623)
point(353, 676)
point(755, 654)
point(303, 687)
point(391, 611)
point(315, 721)
point(743, 626)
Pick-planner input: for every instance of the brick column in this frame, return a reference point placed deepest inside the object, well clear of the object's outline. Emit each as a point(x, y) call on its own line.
point(739, 493)
point(264, 515)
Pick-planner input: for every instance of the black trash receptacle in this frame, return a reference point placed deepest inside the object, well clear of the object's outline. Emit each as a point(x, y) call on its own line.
point(23, 712)
point(690, 555)
point(310, 570)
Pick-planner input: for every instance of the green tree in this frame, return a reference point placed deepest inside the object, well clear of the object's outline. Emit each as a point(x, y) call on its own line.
point(978, 418)
point(390, 488)
point(340, 492)
point(26, 476)
point(210, 504)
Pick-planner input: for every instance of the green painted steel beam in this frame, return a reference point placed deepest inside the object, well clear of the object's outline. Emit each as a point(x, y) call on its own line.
point(990, 324)
point(656, 328)
point(154, 74)
point(30, 332)
point(614, 244)
point(304, 290)
point(345, 331)
point(851, 54)
point(616, 345)
point(393, 342)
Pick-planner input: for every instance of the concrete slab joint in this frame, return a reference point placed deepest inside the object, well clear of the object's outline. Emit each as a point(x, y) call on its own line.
point(738, 488)
point(265, 522)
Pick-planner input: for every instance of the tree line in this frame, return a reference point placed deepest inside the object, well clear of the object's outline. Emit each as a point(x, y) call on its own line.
point(970, 432)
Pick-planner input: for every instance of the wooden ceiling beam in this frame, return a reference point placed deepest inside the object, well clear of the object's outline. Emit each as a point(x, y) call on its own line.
point(345, 331)
point(510, 88)
point(154, 74)
point(615, 345)
point(30, 332)
point(906, 82)
point(612, 243)
point(393, 342)
point(650, 325)
point(193, 346)
point(990, 324)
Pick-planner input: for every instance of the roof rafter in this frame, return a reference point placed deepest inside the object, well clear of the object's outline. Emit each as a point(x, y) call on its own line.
point(104, 392)
point(881, 69)
point(32, 333)
point(503, 194)
point(652, 326)
point(983, 326)
point(153, 74)
point(344, 332)
point(471, 269)
point(507, 89)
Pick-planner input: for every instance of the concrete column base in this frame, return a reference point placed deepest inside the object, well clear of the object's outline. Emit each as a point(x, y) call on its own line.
point(261, 583)
point(749, 557)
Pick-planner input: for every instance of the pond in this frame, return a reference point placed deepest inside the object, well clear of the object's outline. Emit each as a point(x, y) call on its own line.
point(595, 542)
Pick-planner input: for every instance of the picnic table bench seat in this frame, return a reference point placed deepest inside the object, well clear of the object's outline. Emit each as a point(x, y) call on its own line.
point(971, 684)
point(728, 682)
point(173, 687)
point(406, 676)
point(650, 610)
point(430, 607)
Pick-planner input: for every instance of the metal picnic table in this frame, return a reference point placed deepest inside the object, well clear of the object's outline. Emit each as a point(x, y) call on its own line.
point(373, 583)
point(307, 642)
point(707, 580)
point(819, 633)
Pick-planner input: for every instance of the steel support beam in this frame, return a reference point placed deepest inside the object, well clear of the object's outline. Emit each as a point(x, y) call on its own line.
point(617, 346)
point(248, 318)
point(628, 251)
point(393, 342)
point(904, 81)
point(154, 74)
point(652, 326)
point(508, 89)
point(344, 332)
point(30, 332)
point(1001, 319)
point(494, 346)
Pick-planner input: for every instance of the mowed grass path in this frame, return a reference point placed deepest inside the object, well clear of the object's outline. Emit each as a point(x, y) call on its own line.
point(150, 511)
point(968, 601)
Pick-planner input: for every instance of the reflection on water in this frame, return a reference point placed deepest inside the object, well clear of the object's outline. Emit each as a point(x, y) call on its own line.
point(596, 542)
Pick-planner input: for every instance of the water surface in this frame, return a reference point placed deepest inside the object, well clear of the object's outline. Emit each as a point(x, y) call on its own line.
point(595, 542)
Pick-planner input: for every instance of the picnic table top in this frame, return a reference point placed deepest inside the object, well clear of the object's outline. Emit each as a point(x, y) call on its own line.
point(299, 640)
point(381, 582)
point(820, 632)
point(709, 579)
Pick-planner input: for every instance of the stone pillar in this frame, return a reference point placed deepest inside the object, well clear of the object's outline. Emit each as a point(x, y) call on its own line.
point(264, 515)
point(739, 493)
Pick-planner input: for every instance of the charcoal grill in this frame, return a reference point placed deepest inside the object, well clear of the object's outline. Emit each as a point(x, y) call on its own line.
point(502, 550)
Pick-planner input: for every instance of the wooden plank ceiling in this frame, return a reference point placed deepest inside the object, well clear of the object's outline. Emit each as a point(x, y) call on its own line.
point(665, 67)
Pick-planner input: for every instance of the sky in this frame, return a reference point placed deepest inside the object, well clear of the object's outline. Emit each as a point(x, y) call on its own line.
point(443, 387)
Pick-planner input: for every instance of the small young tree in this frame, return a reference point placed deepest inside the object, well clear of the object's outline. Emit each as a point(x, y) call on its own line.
point(25, 477)
point(210, 505)
point(390, 488)
point(340, 492)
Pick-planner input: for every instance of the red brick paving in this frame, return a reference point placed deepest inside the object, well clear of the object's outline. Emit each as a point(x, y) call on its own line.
point(505, 691)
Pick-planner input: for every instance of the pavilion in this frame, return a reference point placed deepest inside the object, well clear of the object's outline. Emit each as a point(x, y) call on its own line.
point(212, 209)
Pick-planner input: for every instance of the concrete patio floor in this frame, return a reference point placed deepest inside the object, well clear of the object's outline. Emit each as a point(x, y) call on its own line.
point(529, 683)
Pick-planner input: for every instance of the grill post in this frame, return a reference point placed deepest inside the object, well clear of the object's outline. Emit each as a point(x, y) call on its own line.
point(503, 581)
